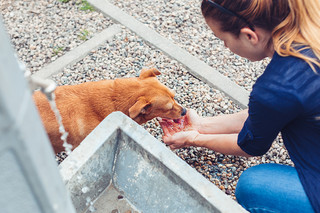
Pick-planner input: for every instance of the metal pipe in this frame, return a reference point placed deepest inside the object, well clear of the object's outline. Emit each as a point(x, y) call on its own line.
point(46, 86)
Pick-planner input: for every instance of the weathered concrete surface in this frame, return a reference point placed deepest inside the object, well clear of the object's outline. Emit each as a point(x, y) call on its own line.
point(113, 200)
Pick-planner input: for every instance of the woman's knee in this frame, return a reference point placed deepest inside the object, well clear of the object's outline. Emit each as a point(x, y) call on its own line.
point(257, 188)
point(248, 184)
point(266, 186)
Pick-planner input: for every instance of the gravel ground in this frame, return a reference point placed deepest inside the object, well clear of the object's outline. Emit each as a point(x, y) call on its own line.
point(182, 22)
point(58, 24)
point(41, 31)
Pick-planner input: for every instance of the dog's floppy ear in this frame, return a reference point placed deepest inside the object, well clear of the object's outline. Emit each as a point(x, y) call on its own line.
point(146, 73)
point(141, 106)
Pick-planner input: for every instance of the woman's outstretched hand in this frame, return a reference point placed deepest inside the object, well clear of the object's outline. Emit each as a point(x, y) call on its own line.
point(181, 132)
point(218, 133)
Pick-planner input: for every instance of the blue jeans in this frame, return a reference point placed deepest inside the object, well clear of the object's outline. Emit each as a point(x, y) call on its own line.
point(272, 188)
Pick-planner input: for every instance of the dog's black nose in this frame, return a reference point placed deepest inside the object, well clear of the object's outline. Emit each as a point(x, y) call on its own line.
point(184, 112)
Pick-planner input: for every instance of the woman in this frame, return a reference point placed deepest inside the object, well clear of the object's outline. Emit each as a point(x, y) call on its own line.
point(285, 98)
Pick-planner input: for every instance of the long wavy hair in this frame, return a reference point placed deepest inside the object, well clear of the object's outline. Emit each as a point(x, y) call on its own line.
point(294, 24)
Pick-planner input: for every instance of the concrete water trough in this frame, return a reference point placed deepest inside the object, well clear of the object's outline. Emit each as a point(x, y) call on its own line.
point(120, 167)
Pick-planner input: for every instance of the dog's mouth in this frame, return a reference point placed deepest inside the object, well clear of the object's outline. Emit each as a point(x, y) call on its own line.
point(168, 119)
point(176, 120)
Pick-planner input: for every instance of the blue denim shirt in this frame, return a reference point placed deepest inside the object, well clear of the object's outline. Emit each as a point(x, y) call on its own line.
point(286, 99)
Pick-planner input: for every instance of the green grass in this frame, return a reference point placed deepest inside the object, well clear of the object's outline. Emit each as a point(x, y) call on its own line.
point(57, 50)
point(83, 35)
point(85, 6)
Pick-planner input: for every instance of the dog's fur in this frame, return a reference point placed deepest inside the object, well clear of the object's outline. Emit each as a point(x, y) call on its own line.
point(84, 106)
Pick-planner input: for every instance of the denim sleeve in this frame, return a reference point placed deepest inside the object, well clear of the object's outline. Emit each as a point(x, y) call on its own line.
point(269, 113)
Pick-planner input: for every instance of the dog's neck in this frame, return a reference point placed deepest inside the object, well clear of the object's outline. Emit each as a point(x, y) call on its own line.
point(123, 94)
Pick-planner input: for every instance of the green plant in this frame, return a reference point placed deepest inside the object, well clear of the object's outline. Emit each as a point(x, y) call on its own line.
point(56, 50)
point(85, 6)
point(83, 35)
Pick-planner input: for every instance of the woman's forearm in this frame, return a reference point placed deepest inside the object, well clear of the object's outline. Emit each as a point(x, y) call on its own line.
point(223, 124)
point(223, 143)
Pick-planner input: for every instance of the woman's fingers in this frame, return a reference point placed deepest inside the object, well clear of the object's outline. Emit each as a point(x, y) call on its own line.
point(175, 141)
point(167, 130)
point(172, 147)
point(166, 140)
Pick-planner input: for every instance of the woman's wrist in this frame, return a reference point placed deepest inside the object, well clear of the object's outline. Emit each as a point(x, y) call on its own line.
point(222, 124)
point(201, 124)
point(207, 125)
point(193, 138)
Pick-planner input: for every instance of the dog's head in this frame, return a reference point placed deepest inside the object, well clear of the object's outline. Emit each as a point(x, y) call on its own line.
point(155, 100)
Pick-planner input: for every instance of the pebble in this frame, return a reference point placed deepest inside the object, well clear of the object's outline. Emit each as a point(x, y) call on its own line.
point(55, 29)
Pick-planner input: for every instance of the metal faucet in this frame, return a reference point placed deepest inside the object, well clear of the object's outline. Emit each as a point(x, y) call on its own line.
point(46, 86)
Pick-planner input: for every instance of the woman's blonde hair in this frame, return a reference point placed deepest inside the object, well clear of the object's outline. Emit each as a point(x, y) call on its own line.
point(294, 24)
point(300, 30)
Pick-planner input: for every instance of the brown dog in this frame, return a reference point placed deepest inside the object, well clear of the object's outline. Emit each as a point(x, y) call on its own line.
point(84, 106)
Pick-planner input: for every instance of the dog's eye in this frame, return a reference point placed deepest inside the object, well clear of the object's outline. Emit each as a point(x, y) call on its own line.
point(168, 106)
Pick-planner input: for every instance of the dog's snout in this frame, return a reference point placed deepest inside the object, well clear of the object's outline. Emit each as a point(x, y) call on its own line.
point(184, 112)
